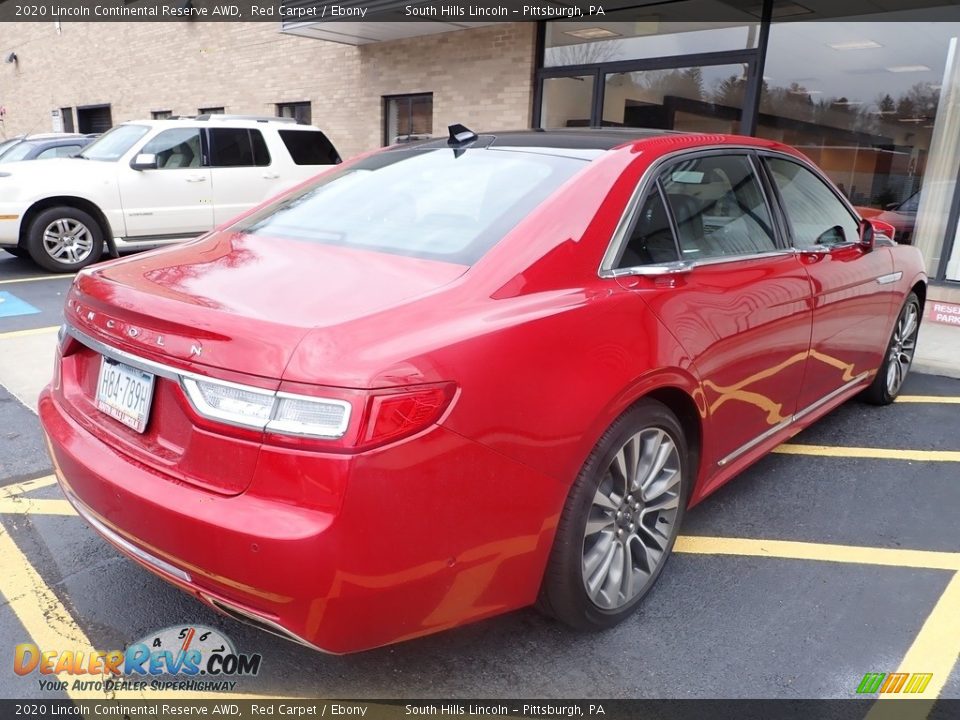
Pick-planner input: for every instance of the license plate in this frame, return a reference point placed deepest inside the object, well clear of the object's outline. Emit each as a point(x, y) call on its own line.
point(125, 393)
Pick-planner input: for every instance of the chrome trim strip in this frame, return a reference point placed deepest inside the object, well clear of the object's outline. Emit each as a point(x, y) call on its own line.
point(181, 377)
point(791, 420)
point(756, 441)
point(123, 356)
point(121, 542)
point(255, 620)
point(683, 266)
point(830, 396)
point(891, 278)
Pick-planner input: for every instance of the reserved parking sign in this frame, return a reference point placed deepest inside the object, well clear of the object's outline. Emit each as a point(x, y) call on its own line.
point(945, 313)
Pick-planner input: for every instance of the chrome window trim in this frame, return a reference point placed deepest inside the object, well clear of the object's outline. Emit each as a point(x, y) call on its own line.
point(619, 237)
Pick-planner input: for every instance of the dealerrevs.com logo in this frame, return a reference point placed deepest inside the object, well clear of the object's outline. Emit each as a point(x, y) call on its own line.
point(176, 658)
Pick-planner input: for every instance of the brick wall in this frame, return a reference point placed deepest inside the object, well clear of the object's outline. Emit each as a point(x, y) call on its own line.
point(482, 77)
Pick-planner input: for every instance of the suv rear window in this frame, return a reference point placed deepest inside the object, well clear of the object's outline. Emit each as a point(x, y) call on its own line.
point(237, 147)
point(438, 204)
point(309, 147)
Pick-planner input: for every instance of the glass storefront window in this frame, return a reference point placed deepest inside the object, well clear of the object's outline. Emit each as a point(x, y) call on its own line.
point(862, 99)
point(567, 101)
point(586, 43)
point(699, 99)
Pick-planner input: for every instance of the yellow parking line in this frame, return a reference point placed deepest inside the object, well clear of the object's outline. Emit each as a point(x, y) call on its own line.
point(937, 646)
point(31, 331)
point(35, 278)
point(792, 550)
point(9, 491)
point(942, 399)
point(51, 626)
point(876, 453)
point(935, 650)
point(34, 506)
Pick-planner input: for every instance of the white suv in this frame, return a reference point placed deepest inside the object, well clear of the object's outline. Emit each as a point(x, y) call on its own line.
point(152, 182)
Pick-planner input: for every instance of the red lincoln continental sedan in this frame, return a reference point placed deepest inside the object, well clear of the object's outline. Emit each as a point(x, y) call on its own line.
point(451, 379)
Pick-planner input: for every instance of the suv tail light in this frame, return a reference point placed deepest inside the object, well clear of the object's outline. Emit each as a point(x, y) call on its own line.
point(322, 418)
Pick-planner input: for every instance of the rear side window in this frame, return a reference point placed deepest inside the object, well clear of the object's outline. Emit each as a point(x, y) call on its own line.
point(309, 147)
point(237, 147)
point(651, 238)
point(438, 204)
point(718, 206)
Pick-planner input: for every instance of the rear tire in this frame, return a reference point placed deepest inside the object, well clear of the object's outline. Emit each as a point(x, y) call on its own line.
point(64, 239)
point(620, 520)
point(898, 356)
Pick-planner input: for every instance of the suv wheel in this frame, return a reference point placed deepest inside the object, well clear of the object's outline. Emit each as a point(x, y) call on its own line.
point(64, 239)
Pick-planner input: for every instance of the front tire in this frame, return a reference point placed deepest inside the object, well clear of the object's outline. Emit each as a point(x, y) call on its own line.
point(898, 356)
point(64, 239)
point(620, 521)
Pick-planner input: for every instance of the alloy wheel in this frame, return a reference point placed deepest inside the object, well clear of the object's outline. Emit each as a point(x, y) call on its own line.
point(632, 519)
point(68, 241)
point(902, 347)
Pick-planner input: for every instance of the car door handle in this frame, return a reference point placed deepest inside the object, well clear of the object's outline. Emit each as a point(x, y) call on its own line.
point(196, 178)
point(270, 175)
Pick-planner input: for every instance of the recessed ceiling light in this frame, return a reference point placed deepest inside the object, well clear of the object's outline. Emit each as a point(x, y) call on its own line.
point(805, 92)
point(907, 68)
point(782, 10)
point(594, 33)
point(855, 45)
point(912, 120)
point(847, 102)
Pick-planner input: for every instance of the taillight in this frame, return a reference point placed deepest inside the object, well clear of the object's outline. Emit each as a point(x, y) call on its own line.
point(401, 414)
point(323, 418)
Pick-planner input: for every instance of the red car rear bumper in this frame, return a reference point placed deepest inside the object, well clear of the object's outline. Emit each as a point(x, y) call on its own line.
point(438, 533)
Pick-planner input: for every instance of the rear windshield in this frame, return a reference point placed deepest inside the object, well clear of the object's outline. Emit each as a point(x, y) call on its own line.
point(437, 204)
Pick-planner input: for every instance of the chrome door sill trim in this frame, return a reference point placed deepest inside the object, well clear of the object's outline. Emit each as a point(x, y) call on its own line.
point(791, 420)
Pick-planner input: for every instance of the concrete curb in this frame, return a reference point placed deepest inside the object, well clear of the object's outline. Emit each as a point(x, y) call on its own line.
point(935, 368)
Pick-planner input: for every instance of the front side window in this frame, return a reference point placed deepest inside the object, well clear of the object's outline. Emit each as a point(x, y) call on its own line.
point(237, 147)
point(437, 204)
point(115, 143)
point(176, 148)
point(718, 206)
point(815, 214)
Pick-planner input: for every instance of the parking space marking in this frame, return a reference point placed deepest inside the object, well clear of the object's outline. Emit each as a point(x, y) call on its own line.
point(875, 453)
point(937, 646)
point(793, 550)
point(26, 486)
point(34, 506)
point(941, 399)
point(51, 626)
point(36, 278)
point(31, 331)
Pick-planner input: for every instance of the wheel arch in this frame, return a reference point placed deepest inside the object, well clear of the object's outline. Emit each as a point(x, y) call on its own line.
point(678, 390)
point(67, 201)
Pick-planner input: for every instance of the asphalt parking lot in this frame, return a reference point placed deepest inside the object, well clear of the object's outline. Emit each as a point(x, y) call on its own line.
point(838, 555)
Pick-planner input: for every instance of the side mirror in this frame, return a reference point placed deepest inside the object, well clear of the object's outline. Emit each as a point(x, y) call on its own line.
point(144, 161)
point(867, 235)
